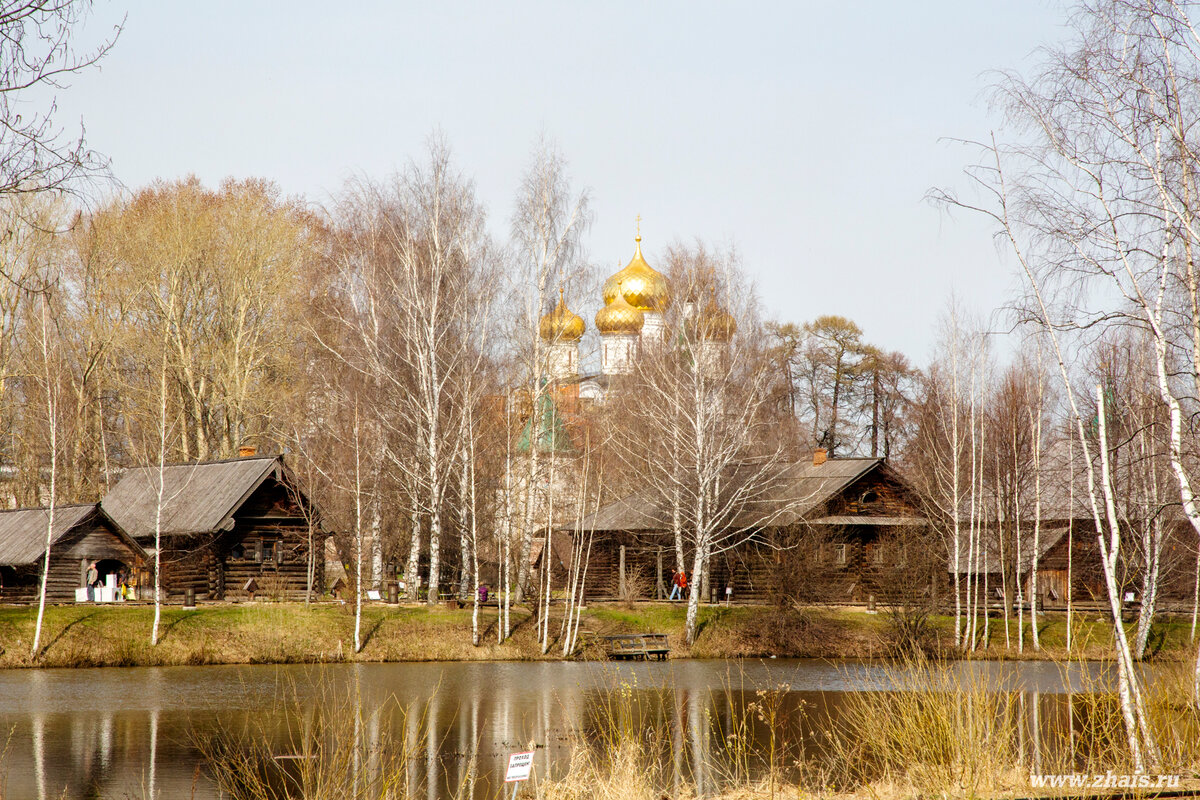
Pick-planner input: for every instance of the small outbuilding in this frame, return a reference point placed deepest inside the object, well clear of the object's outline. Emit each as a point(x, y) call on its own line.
point(82, 534)
point(228, 529)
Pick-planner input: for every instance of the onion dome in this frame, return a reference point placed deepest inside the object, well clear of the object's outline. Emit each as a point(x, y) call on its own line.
point(619, 317)
point(715, 323)
point(644, 287)
point(561, 324)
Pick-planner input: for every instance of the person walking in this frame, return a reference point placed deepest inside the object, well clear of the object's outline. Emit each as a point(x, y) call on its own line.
point(92, 579)
point(680, 584)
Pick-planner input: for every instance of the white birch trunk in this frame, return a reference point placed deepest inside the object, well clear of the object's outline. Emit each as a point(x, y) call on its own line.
point(956, 484)
point(1037, 515)
point(693, 606)
point(52, 423)
point(160, 499)
point(1070, 541)
point(1141, 743)
point(358, 535)
point(412, 571)
point(1017, 536)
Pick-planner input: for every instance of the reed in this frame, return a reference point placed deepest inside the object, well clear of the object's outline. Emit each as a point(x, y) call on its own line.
point(335, 747)
point(938, 729)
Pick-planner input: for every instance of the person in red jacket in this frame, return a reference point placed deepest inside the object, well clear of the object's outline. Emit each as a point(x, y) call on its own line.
point(679, 584)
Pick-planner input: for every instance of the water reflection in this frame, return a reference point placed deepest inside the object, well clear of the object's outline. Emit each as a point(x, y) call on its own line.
point(133, 732)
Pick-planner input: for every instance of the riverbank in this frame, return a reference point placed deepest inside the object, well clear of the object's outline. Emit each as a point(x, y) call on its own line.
point(262, 633)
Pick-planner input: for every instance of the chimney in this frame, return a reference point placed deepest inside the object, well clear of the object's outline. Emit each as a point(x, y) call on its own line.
point(247, 451)
point(819, 456)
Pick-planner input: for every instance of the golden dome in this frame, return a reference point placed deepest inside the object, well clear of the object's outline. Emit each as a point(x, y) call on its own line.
point(716, 324)
point(619, 317)
point(561, 324)
point(644, 287)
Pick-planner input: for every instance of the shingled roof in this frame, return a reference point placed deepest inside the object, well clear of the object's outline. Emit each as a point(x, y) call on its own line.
point(198, 497)
point(805, 487)
point(23, 531)
point(787, 494)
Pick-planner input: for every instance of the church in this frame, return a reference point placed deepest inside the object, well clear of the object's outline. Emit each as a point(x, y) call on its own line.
point(842, 529)
point(631, 321)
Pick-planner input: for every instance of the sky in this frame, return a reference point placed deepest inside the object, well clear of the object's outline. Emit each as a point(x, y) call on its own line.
point(806, 135)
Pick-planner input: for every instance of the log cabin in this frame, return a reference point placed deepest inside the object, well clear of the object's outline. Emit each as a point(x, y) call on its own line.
point(228, 529)
point(1069, 566)
point(833, 530)
point(81, 534)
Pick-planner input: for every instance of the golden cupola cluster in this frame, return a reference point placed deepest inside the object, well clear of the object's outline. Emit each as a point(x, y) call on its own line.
point(561, 324)
point(641, 286)
point(619, 316)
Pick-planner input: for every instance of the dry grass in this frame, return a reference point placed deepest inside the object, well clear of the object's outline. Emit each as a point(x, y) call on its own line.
point(938, 732)
point(266, 632)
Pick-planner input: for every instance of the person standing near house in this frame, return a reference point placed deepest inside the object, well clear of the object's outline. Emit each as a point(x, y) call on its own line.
point(92, 579)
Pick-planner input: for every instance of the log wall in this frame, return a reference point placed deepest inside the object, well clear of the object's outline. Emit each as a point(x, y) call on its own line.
point(93, 540)
point(268, 544)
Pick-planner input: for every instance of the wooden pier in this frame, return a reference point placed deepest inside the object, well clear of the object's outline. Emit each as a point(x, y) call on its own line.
point(637, 647)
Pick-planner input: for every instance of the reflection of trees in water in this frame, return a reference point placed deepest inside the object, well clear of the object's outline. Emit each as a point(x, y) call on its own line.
point(459, 736)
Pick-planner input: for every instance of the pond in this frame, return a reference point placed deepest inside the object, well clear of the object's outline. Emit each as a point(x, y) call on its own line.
point(134, 732)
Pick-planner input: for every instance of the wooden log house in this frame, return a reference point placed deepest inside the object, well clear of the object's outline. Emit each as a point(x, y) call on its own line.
point(229, 528)
point(1069, 564)
point(837, 530)
point(82, 534)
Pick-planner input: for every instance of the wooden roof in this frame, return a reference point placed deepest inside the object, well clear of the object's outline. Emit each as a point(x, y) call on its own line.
point(198, 497)
point(23, 531)
point(986, 551)
point(786, 495)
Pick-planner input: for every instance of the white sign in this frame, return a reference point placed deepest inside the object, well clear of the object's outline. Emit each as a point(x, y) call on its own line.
point(519, 766)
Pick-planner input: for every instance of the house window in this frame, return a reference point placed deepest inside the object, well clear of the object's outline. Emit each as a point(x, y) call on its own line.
point(839, 554)
point(237, 552)
point(869, 499)
point(268, 551)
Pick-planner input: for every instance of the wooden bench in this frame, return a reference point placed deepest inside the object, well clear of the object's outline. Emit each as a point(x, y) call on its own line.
point(637, 646)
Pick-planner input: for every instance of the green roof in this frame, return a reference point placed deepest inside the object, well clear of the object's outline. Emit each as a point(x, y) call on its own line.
point(545, 429)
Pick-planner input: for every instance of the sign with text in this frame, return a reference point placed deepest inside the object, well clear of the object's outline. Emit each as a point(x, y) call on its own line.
point(519, 766)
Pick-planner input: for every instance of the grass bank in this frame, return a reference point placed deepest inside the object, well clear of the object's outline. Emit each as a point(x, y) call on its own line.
point(259, 633)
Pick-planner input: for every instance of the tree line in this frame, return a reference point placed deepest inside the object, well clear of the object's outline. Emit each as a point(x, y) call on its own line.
point(389, 343)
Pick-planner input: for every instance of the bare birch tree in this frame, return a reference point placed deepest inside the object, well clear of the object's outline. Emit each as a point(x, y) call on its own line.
point(412, 265)
point(697, 419)
point(548, 223)
point(51, 389)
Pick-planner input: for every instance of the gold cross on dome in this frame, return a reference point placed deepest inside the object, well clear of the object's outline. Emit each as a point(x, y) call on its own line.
point(639, 226)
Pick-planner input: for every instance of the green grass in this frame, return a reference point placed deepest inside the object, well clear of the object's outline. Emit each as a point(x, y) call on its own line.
point(1170, 637)
point(119, 635)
